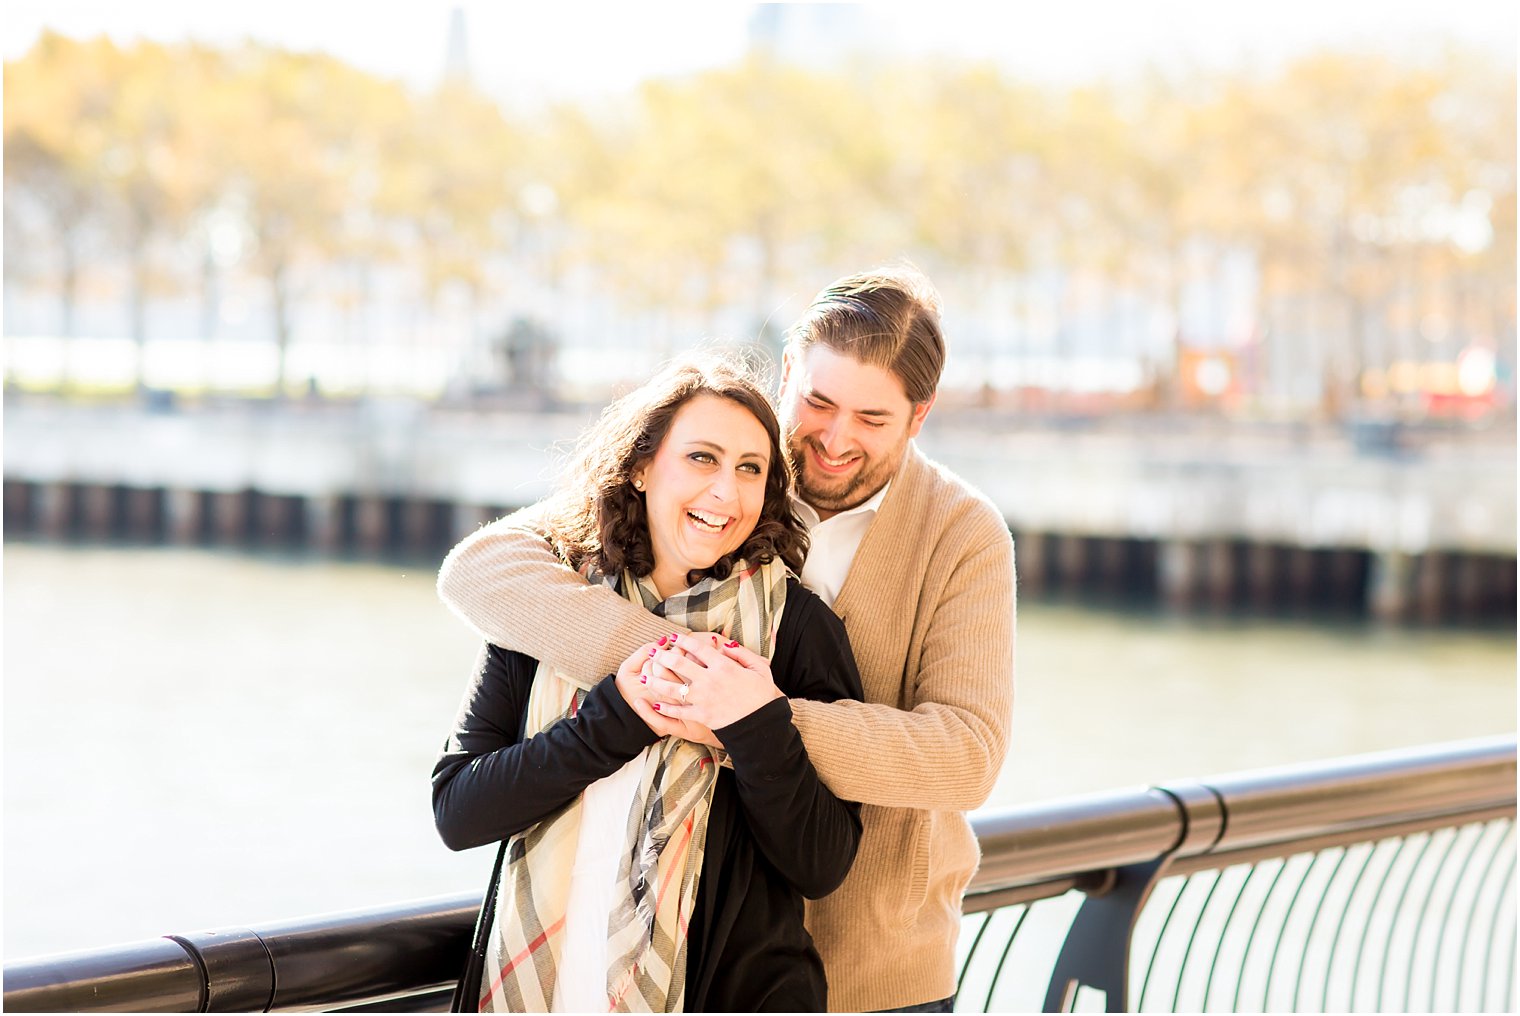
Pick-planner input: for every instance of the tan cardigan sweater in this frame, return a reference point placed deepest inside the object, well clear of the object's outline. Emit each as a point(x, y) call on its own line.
point(929, 606)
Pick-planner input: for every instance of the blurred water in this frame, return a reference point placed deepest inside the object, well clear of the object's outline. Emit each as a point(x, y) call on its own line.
point(200, 739)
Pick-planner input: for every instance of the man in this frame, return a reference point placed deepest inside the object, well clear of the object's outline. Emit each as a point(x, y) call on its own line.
point(920, 568)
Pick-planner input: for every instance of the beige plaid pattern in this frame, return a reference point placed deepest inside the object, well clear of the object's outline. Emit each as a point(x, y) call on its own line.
point(667, 829)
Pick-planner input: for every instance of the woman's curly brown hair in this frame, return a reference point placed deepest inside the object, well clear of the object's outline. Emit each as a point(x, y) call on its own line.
point(599, 517)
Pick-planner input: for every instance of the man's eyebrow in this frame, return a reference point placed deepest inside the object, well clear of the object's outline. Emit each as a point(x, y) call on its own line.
point(721, 450)
point(818, 396)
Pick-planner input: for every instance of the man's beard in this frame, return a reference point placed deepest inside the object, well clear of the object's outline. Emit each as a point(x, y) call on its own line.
point(840, 493)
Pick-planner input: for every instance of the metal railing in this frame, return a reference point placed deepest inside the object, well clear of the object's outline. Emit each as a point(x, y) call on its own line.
point(1381, 882)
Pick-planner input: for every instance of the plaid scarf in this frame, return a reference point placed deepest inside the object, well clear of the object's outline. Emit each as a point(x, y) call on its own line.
point(667, 828)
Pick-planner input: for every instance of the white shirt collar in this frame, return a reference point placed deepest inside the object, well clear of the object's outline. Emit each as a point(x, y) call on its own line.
point(871, 504)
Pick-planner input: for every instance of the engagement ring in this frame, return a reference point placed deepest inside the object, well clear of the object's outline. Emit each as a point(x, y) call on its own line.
point(684, 689)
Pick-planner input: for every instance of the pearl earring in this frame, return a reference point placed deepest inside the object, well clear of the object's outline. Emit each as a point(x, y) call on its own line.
point(638, 484)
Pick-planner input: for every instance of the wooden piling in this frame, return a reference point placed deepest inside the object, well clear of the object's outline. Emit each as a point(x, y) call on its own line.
point(1178, 571)
point(1390, 585)
point(371, 524)
point(1430, 587)
point(184, 516)
point(1071, 561)
point(324, 522)
point(1467, 593)
point(419, 525)
point(55, 509)
point(229, 516)
point(1113, 565)
point(276, 521)
point(464, 519)
point(144, 513)
point(1219, 572)
point(1261, 576)
point(1298, 574)
point(1030, 559)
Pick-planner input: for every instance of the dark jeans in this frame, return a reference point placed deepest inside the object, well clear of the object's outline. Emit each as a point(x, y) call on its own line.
point(943, 1005)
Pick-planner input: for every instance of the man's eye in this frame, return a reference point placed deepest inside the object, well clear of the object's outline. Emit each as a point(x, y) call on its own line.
point(815, 404)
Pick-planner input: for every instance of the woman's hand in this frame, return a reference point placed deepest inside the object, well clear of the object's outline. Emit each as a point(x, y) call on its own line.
point(700, 677)
point(632, 683)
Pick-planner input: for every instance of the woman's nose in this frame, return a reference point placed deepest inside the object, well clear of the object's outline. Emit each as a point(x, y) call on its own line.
point(724, 487)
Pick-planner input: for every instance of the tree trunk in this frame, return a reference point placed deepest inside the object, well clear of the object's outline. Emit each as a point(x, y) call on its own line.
point(138, 309)
point(279, 292)
point(68, 292)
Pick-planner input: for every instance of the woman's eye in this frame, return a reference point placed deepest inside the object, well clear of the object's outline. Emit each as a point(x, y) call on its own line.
point(752, 467)
point(702, 457)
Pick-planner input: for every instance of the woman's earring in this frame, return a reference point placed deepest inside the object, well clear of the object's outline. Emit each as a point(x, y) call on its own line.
point(638, 484)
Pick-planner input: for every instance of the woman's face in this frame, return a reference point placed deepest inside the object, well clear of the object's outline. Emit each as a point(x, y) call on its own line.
point(704, 488)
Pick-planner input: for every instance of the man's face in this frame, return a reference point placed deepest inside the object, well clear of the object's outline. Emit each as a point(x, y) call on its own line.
point(847, 426)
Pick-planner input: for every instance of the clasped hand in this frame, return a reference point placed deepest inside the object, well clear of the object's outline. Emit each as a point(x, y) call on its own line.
point(688, 685)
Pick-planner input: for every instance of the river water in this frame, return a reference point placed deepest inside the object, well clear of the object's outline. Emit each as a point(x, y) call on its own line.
point(199, 739)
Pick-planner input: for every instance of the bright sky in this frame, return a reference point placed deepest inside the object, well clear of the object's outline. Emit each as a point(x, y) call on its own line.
point(577, 48)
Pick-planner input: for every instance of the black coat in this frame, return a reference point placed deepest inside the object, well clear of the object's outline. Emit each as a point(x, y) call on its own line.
point(775, 834)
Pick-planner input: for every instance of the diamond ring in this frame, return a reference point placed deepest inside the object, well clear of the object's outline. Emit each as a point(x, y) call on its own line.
point(685, 688)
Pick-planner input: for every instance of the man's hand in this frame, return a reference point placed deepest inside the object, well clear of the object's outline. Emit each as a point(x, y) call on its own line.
point(700, 677)
point(632, 683)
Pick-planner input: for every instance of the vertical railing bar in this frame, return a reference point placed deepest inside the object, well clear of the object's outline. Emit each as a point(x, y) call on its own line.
point(998, 970)
point(1509, 967)
point(1160, 937)
point(1251, 938)
point(971, 953)
point(1463, 868)
point(1472, 917)
point(1377, 899)
point(1393, 925)
point(1340, 925)
point(1225, 931)
point(1319, 912)
point(1419, 921)
point(1282, 930)
point(1188, 952)
point(1488, 954)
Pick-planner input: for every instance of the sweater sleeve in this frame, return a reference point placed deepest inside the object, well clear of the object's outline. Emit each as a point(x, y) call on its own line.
point(806, 832)
point(490, 783)
point(506, 583)
point(946, 751)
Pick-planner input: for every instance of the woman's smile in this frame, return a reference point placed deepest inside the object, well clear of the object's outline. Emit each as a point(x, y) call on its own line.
point(708, 522)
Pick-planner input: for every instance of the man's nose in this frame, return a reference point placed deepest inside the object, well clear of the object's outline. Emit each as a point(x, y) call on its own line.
point(835, 438)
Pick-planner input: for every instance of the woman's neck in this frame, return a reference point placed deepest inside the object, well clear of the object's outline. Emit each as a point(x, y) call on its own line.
point(667, 584)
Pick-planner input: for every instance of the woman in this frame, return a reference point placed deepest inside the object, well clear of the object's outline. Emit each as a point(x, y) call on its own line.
point(645, 870)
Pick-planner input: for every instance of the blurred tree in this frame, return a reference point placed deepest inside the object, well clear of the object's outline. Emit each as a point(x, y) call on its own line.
point(730, 186)
point(289, 136)
point(452, 177)
point(55, 143)
point(1374, 198)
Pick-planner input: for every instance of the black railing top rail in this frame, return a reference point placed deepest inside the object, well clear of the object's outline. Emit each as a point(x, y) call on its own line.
point(1287, 803)
point(1032, 850)
point(1360, 793)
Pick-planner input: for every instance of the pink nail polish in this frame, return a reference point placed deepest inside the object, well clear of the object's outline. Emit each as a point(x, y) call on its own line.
point(715, 640)
point(655, 706)
point(651, 651)
point(662, 639)
point(732, 645)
